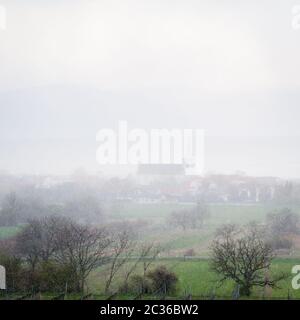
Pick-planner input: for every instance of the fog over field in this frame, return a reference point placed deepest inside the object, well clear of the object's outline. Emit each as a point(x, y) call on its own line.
point(53, 129)
point(78, 221)
point(230, 69)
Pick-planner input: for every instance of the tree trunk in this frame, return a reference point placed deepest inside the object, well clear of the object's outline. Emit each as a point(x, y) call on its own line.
point(245, 290)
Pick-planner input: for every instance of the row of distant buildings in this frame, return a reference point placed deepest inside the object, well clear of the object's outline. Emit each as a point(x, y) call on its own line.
point(170, 183)
point(214, 187)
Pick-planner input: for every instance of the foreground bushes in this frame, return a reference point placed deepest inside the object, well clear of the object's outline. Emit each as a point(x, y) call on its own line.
point(14, 272)
point(159, 281)
point(47, 277)
point(163, 280)
point(53, 254)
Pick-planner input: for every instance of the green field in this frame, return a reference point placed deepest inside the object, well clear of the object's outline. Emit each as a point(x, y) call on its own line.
point(174, 240)
point(196, 278)
point(220, 213)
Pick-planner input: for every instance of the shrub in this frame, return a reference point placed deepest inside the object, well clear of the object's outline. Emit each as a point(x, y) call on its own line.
point(53, 277)
point(15, 280)
point(139, 284)
point(163, 280)
point(283, 222)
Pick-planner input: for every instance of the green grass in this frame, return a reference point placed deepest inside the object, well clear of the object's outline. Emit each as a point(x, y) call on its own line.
point(202, 281)
point(220, 213)
point(153, 211)
point(196, 278)
point(177, 240)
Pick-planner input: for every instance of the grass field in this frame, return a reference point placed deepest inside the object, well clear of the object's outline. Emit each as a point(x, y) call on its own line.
point(220, 213)
point(196, 278)
point(175, 240)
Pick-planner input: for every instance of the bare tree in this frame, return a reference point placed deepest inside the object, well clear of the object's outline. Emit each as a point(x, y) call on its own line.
point(244, 257)
point(199, 214)
point(121, 251)
point(36, 242)
point(83, 248)
point(283, 222)
point(11, 207)
point(130, 270)
point(190, 219)
point(146, 255)
point(85, 209)
point(181, 219)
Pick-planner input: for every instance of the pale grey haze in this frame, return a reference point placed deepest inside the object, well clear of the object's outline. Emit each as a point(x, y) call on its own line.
point(69, 68)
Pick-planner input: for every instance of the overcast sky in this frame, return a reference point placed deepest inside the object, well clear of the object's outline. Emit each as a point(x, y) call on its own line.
point(71, 67)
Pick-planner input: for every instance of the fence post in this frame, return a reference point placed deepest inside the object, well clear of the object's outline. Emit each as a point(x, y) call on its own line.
point(2, 278)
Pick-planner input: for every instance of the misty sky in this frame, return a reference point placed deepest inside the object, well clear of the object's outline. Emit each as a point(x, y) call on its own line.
point(71, 67)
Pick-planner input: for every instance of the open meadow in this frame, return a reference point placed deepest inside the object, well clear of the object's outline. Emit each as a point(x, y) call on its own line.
point(176, 241)
point(195, 277)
